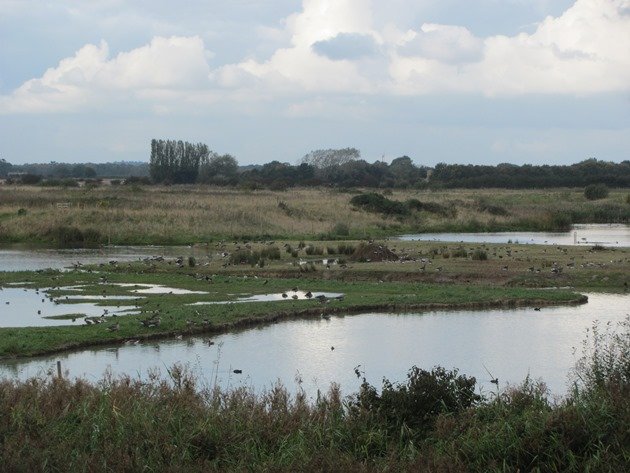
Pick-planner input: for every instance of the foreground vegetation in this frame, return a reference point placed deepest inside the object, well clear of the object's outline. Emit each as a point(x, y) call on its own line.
point(435, 421)
point(172, 215)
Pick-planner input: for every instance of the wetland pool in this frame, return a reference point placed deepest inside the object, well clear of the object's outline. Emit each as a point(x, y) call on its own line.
point(508, 343)
point(587, 234)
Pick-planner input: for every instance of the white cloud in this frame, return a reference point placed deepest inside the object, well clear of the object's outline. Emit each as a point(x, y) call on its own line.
point(166, 67)
point(344, 47)
point(444, 43)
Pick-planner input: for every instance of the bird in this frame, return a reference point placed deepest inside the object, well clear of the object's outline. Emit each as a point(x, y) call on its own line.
point(493, 380)
point(537, 309)
point(237, 371)
point(332, 348)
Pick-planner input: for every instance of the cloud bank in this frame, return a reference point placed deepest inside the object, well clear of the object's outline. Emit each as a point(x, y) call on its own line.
point(337, 46)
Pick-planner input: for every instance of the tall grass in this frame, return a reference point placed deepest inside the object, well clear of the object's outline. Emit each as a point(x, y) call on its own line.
point(187, 214)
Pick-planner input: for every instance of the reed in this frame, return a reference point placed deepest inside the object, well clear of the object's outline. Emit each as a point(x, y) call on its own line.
point(187, 214)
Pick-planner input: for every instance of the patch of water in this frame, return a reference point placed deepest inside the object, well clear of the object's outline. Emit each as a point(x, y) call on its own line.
point(30, 308)
point(157, 289)
point(280, 296)
point(510, 344)
point(19, 258)
point(592, 234)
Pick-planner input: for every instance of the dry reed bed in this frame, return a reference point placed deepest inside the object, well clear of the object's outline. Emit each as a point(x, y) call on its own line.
point(185, 214)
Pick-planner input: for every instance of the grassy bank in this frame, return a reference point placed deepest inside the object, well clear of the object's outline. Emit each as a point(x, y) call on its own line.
point(188, 214)
point(435, 421)
point(177, 316)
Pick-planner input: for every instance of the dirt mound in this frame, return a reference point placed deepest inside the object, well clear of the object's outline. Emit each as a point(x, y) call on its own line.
point(373, 252)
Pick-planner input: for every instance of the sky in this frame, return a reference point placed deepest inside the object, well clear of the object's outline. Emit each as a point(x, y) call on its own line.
point(453, 81)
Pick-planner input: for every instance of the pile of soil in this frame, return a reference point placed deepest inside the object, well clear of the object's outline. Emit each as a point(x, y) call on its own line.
point(373, 252)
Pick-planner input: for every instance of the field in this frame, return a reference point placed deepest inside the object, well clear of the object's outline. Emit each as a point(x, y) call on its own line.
point(193, 214)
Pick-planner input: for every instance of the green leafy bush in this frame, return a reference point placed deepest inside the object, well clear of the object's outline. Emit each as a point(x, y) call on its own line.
point(596, 191)
point(416, 404)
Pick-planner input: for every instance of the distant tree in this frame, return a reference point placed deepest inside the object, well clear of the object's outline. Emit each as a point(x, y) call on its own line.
point(326, 158)
point(218, 169)
point(404, 173)
point(5, 168)
point(176, 161)
point(30, 179)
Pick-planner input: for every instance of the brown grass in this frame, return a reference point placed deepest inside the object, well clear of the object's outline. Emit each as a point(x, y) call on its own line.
point(186, 214)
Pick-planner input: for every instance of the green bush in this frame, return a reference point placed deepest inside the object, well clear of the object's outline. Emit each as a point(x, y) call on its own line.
point(271, 252)
point(416, 404)
point(313, 250)
point(479, 255)
point(377, 203)
point(432, 207)
point(341, 229)
point(596, 191)
point(345, 249)
point(73, 237)
point(459, 253)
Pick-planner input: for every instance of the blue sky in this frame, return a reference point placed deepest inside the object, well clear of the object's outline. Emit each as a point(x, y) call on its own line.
point(458, 81)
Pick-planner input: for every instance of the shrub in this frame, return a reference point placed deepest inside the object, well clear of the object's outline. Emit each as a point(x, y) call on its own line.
point(30, 179)
point(377, 203)
point(271, 252)
point(134, 180)
point(191, 261)
point(341, 229)
point(21, 212)
point(432, 207)
point(345, 249)
point(313, 250)
point(605, 361)
point(596, 191)
point(479, 255)
point(72, 237)
point(560, 221)
point(417, 403)
point(459, 253)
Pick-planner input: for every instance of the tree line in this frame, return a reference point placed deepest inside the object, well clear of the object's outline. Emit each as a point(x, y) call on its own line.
point(180, 162)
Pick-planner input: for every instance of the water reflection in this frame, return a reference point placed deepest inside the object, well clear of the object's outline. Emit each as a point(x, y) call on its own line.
point(510, 343)
point(32, 259)
point(592, 234)
point(280, 296)
point(32, 307)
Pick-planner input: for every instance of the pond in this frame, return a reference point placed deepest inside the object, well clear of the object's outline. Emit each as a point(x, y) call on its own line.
point(18, 258)
point(21, 307)
point(507, 344)
point(591, 234)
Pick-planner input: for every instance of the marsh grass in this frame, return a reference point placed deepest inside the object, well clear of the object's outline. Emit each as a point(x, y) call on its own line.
point(188, 214)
